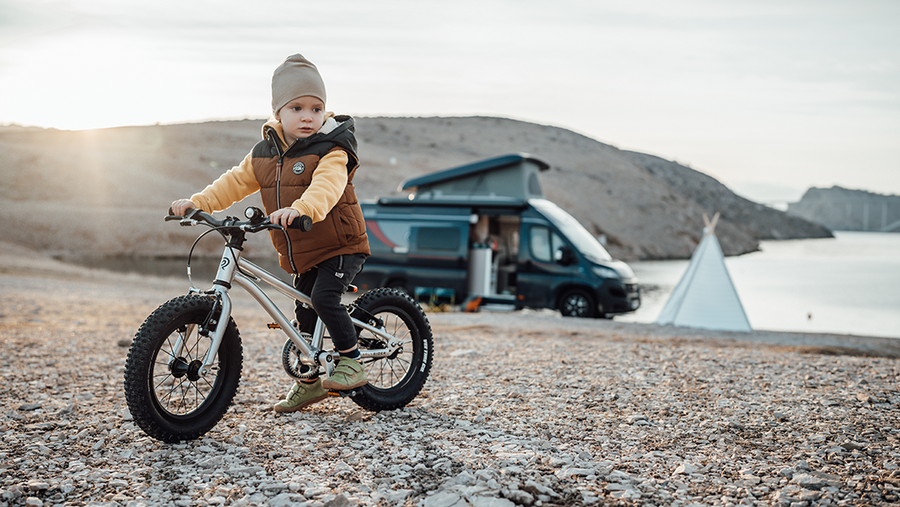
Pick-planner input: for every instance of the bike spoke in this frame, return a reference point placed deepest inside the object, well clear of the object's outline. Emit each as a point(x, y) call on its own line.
point(386, 373)
point(180, 396)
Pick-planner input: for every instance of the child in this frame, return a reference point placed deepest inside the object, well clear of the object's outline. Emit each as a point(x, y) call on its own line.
point(304, 166)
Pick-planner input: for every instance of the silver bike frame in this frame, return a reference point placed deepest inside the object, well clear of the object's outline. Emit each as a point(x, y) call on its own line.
point(310, 353)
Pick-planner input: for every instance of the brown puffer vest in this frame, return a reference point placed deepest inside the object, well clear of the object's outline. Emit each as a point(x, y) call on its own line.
point(283, 177)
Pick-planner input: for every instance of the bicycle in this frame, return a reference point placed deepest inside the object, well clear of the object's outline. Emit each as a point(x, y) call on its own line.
point(184, 365)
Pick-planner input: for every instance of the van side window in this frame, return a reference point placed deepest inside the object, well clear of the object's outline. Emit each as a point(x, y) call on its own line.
point(556, 243)
point(438, 238)
point(544, 243)
point(539, 240)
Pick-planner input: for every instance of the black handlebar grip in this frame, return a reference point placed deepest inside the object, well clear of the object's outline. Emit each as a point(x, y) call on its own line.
point(187, 212)
point(303, 222)
point(173, 216)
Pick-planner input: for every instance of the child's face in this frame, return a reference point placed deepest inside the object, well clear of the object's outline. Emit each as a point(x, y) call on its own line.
point(301, 118)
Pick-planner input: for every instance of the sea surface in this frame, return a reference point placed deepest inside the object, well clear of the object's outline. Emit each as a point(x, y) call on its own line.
point(847, 285)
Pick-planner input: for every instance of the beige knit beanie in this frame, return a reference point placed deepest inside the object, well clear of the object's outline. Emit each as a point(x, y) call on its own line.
point(294, 78)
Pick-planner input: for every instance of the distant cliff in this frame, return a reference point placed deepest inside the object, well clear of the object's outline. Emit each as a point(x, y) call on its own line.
point(849, 210)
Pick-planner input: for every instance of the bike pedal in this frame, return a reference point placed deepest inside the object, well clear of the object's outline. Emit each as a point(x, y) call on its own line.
point(273, 325)
point(343, 394)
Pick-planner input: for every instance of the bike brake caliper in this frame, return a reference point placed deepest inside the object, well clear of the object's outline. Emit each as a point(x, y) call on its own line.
point(210, 319)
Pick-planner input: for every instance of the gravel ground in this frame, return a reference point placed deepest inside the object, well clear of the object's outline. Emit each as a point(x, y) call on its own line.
point(522, 408)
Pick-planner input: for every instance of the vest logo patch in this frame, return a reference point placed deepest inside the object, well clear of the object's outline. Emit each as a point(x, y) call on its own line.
point(298, 168)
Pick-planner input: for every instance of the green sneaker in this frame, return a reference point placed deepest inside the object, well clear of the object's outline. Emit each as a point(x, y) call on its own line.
point(348, 374)
point(301, 396)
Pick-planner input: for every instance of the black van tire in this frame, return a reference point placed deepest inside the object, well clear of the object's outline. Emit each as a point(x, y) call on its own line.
point(149, 370)
point(406, 371)
point(577, 303)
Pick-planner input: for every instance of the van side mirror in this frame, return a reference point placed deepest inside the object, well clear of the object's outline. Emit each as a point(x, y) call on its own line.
point(565, 256)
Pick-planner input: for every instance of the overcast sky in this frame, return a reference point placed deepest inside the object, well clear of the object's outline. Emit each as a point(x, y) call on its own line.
point(769, 97)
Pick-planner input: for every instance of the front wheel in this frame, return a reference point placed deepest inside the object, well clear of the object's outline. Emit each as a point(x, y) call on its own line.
point(576, 303)
point(394, 380)
point(167, 394)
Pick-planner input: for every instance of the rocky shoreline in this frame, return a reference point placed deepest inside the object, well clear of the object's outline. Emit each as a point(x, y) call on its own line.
point(521, 409)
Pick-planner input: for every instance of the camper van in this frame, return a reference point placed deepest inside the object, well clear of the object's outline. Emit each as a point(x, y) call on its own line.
point(483, 234)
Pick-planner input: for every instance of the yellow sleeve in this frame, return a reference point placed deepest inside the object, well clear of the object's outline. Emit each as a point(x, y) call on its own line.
point(229, 188)
point(327, 186)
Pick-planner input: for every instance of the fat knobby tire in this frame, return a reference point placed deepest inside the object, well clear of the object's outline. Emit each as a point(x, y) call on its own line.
point(398, 304)
point(154, 335)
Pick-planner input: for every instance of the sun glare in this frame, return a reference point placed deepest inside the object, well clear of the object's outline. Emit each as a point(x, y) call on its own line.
point(86, 80)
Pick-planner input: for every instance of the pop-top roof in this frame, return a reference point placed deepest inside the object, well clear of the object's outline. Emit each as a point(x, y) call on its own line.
point(514, 175)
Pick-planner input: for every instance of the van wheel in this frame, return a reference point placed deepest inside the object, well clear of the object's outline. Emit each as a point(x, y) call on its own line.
point(576, 303)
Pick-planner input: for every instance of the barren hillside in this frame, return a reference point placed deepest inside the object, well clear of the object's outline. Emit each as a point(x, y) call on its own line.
point(105, 191)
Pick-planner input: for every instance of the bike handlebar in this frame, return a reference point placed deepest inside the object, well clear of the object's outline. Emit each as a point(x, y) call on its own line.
point(258, 221)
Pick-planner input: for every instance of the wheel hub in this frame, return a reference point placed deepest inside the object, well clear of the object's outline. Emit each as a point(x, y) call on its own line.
point(180, 367)
point(193, 372)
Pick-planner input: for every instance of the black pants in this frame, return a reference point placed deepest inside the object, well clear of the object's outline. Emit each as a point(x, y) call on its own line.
point(325, 284)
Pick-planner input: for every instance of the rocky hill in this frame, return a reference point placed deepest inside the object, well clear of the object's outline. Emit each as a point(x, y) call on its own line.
point(103, 192)
point(849, 210)
point(757, 220)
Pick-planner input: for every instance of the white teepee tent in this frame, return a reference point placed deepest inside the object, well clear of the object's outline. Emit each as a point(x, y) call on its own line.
point(705, 297)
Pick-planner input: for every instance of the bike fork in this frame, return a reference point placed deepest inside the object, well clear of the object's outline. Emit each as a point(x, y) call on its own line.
point(221, 285)
point(219, 333)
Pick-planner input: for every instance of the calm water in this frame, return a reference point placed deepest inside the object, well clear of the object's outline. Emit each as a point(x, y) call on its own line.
point(848, 285)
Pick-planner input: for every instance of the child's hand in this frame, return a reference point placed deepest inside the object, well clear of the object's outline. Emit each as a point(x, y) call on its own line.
point(284, 216)
point(180, 206)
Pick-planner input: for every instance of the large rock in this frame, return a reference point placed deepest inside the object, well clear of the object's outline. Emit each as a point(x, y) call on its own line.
point(849, 210)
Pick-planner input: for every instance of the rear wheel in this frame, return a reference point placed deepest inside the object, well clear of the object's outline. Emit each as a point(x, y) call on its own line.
point(396, 380)
point(577, 303)
point(167, 394)
point(399, 285)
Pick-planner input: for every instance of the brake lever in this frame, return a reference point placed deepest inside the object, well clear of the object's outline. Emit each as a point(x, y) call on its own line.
point(186, 220)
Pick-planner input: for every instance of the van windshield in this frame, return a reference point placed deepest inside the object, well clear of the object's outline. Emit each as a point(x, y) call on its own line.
point(573, 230)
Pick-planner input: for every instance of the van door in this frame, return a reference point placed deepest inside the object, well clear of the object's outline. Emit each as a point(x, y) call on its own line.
point(539, 272)
point(437, 257)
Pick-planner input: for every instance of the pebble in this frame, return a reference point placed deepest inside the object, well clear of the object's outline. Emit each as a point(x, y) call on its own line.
point(686, 469)
point(564, 412)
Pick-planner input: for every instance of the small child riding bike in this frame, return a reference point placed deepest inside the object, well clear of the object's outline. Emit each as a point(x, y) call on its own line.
point(304, 165)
